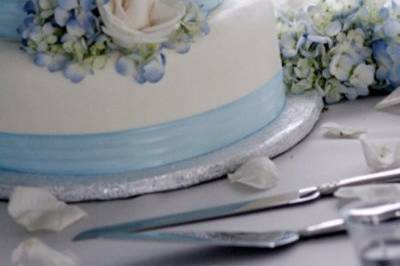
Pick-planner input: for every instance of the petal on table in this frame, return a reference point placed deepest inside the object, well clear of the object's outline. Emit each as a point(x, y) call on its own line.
point(33, 252)
point(380, 156)
point(339, 131)
point(37, 209)
point(260, 173)
point(390, 101)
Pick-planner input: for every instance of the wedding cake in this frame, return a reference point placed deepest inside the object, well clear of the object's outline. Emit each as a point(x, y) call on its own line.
point(103, 87)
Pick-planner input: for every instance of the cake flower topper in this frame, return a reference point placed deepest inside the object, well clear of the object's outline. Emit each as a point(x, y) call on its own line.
point(77, 37)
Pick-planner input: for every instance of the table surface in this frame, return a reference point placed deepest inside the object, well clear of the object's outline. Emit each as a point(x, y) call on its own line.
point(315, 160)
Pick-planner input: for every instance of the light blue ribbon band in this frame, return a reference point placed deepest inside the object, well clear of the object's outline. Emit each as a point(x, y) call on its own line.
point(11, 17)
point(143, 148)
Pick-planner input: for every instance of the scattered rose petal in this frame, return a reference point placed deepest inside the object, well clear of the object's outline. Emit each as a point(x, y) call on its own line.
point(340, 131)
point(33, 252)
point(390, 101)
point(370, 192)
point(380, 156)
point(37, 209)
point(259, 173)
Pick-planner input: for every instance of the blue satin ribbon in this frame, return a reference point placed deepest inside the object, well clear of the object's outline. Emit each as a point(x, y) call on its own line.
point(11, 17)
point(137, 149)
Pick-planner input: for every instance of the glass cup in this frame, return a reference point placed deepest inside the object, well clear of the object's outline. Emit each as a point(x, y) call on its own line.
point(377, 242)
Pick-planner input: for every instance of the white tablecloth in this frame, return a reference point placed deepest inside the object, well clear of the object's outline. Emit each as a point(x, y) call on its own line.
point(314, 161)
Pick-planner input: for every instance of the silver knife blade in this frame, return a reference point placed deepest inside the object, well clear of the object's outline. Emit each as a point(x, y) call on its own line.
point(271, 239)
point(266, 239)
point(381, 211)
point(292, 198)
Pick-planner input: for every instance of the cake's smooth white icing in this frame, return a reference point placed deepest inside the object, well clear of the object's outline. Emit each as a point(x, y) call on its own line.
point(238, 57)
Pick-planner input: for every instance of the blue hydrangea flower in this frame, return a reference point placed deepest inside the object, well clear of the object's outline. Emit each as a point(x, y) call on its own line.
point(27, 27)
point(208, 5)
point(352, 93)
point(43, 36)
point(31, 7)
point(289, 45)
point(333, 91)
point(52, 62)
point(391, 29)
point(334, 28)
point(152, 71)
point(125, 66)
point(78, 17)
point(46, 4)
point(61, 16)
point(74, 28)
point(382, 58)
point(341, 66)
point(181, 44)
point(349, 46)
point(68, 4)
point(388, 62)
point(76, 72)
point(194, 25)
point(66, 36)
point(303, 68)
point(363, 76)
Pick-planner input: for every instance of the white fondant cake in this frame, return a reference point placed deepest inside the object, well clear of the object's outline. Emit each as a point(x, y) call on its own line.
point(237, 59)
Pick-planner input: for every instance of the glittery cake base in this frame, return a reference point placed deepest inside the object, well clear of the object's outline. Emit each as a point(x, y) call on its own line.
point(296, 121)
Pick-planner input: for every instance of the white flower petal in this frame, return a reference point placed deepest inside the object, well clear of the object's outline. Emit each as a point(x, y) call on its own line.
point(335, 130)
point(37, 209)
point(341, 66)
point(390, 101)
point(363, 76)
point(33, 252)
point(333, 90)
point(259, 173)
point(320, 39)
point(288, 45)
point(392, 28)
point(370, 192)
point(379, 156)
point(333, 28)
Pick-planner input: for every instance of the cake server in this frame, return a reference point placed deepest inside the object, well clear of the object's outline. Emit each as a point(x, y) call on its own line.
point(289, 199)
point(269, 239)
point(377, 212)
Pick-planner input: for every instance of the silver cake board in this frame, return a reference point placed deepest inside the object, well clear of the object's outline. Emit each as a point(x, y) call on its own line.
point(295, 123)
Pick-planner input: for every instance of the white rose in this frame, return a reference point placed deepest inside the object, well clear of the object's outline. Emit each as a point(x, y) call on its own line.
point(129, 22)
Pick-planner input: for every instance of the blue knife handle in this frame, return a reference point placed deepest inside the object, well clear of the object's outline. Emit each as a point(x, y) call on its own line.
point(168, 220)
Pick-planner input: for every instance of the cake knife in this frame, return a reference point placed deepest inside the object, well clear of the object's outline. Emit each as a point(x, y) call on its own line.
point(267, 239)
point(377, 212)
point(301, 196)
